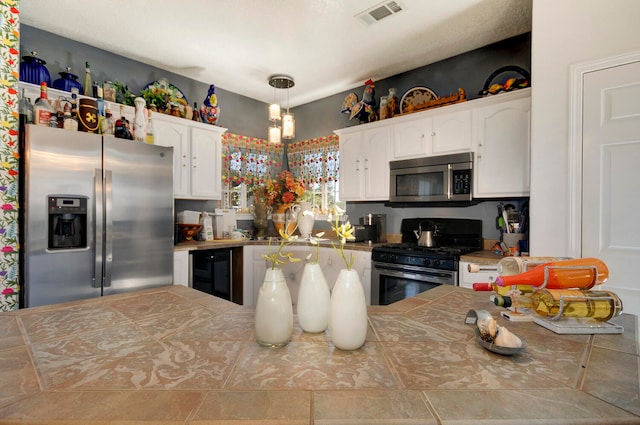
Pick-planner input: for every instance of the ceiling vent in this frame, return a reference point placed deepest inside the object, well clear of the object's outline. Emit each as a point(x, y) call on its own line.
point(379, 12)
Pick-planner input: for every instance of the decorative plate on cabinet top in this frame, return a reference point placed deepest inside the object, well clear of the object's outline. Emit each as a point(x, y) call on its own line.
point(416, 98)
point(166, 88)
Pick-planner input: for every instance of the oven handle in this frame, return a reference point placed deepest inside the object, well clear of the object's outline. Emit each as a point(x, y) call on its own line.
point(402, 272)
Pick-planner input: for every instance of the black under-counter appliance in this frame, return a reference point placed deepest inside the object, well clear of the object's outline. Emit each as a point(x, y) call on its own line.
point(405, 269)
point(212, 272)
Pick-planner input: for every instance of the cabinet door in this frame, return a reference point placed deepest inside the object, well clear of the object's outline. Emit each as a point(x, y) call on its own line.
point(171, 134)
point(502, 160)
point(206, 177)
point(181, 268)
point(376, 144)
point(412, 139)
point(452, 132)
point(351, 167)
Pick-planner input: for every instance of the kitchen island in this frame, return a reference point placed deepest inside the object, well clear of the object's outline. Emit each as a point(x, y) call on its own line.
point(174, 355)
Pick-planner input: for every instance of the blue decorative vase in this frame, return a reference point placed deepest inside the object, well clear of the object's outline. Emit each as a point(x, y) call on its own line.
point(34, 71)
point(67, 81)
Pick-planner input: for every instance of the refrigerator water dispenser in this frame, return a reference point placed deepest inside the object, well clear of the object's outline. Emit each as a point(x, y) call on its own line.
point(67, 222)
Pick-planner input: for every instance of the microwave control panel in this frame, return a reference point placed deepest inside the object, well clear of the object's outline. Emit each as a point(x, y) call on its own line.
point(461, 184)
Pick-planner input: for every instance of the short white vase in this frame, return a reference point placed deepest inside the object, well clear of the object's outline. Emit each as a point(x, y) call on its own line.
point(274, 311)
point(306, 219)
point(348, 312)
point(313, 299)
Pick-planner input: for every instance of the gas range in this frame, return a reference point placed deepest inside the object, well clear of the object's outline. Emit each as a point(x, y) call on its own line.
point(405, 269)
point(445, 258)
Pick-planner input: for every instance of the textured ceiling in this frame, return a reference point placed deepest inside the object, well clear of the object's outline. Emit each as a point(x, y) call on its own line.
point(238, 44)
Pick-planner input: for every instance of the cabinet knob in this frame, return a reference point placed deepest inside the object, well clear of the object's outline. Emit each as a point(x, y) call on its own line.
point(433, 134)
point(422, 136)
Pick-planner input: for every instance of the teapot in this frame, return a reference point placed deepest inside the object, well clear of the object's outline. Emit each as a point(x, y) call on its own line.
point(425, 237)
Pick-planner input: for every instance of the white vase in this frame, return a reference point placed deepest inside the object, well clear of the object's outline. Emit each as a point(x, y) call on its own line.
point(348, 312)
point(274, 311)
point(306, 219)
point(313, 299)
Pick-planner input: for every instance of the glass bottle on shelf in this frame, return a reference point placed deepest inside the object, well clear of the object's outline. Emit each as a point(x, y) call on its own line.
point(508, 266)
point(88, 83)
point(581, 273)
point(150, 139)
point(43, 110)
point(598, 305)
point(25, 109)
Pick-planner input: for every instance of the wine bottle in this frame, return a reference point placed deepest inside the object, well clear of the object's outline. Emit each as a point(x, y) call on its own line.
point(88, 86)
point(42, 110)
point(508, 266)
point(500, 290)
point(581, 273)
point(598, 305)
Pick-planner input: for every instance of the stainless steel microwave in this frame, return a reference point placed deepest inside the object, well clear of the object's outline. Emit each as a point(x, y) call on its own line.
point(432, 179)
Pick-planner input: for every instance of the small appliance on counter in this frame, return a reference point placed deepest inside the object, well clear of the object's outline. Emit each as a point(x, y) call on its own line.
point(372, 228)
point(225, 222)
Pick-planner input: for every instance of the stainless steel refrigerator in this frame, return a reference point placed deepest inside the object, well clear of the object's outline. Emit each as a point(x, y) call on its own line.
point(98, 216)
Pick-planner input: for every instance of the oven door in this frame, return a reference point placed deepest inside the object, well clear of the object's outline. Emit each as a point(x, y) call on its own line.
point(394, 282)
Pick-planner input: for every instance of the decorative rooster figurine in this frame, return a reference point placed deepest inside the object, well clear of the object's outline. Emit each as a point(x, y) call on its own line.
point(365, 110)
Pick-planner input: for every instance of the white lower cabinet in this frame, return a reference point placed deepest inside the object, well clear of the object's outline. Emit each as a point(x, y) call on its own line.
point(330, 262)
point(467, 279)
point(181, 268)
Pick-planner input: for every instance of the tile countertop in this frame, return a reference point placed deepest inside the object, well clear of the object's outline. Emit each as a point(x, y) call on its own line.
point(174, 355)
point(229, 243)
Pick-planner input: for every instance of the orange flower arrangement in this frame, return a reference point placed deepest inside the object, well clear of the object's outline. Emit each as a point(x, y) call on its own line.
point(285, 190)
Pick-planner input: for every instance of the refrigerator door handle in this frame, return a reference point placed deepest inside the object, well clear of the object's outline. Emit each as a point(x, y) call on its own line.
point(108, 224)
point(98, 219)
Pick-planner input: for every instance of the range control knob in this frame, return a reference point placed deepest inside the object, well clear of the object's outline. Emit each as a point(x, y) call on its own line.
point(436, 263)
point(427, 261)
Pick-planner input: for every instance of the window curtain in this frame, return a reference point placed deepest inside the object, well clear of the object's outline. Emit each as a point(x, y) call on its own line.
point(249, 160)
point(315, 160)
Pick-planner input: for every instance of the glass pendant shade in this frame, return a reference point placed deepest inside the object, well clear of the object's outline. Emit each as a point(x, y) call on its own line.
point(288, 126)
point(274, 112)
point(274, 134)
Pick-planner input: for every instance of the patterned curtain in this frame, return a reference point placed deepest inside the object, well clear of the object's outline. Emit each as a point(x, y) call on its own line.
point(249, 160)
point(315, 160)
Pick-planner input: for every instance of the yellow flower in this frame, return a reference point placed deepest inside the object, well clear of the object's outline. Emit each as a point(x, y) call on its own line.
point(280, 257)
point(344, 232)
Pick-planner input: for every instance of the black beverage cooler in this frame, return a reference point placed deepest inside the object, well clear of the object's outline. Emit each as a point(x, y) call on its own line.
point(212, 272)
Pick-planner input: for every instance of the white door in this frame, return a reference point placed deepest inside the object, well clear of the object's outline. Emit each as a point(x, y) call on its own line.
point(610, 163)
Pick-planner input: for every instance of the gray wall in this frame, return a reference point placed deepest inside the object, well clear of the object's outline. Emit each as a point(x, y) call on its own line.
point(240, 114)
point(246, 116)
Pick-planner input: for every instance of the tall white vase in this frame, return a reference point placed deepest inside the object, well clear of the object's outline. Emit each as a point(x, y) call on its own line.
point(274, 310)
point(348, 312)
point(306, 219)
point(313, 299)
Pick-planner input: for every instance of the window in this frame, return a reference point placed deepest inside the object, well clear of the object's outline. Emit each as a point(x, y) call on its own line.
point(246, 162)
point(316, 163)
point(249, 161)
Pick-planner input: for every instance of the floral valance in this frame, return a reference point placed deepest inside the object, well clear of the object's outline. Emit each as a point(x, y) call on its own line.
point(249, 160)
point(315, 160)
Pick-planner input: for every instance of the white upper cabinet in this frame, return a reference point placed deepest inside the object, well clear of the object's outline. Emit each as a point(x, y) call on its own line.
point(451, 132)
point(495, 128)
point(412, 139)
point(364, 164)
point(502, 146)
point(197, 157)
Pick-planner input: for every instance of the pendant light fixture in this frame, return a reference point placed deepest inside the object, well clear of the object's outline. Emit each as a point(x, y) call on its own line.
point(288, 122)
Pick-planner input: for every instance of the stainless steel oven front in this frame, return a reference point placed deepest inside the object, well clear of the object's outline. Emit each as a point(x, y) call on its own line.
point(395, 282)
